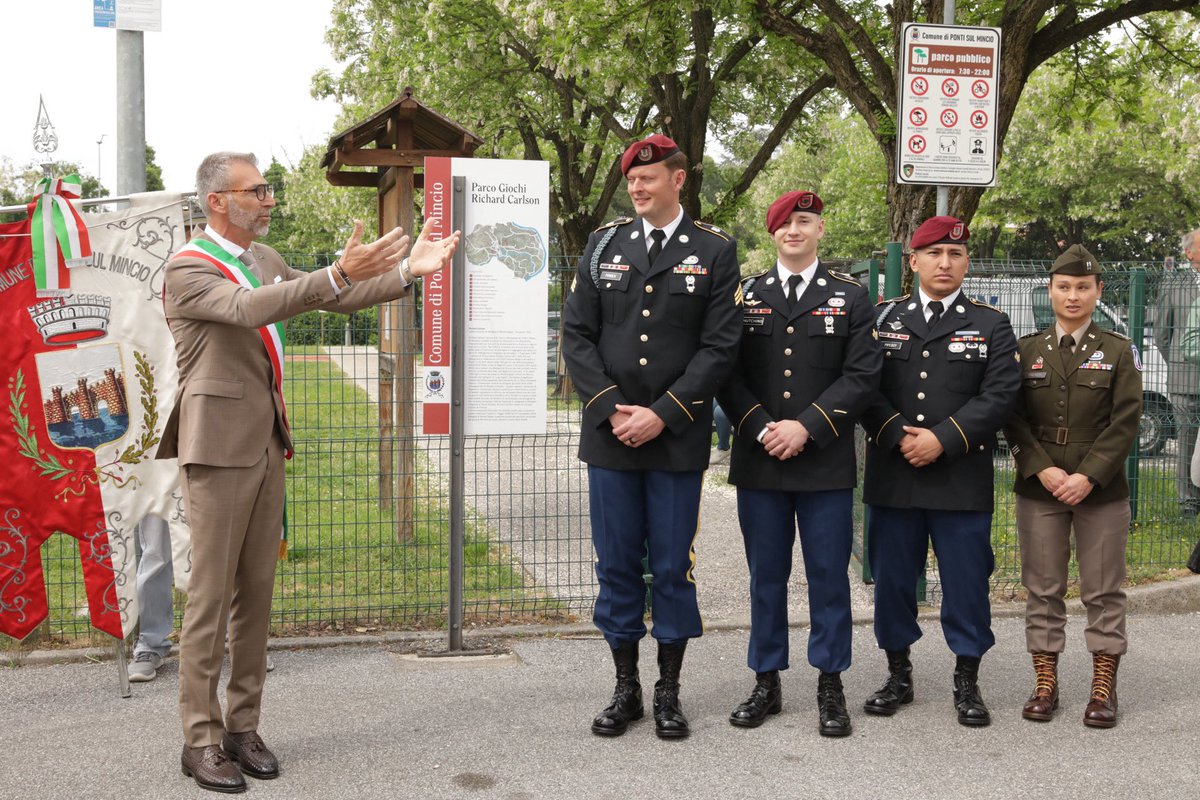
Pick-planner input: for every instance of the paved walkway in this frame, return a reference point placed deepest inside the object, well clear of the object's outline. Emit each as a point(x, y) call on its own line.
point(366, 722)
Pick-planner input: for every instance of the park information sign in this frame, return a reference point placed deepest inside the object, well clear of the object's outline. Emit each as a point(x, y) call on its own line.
point(506, 233)
point(127, 15)
point(947, 108)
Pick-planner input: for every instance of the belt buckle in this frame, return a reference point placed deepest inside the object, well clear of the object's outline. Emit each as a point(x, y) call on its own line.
point(1060, 436)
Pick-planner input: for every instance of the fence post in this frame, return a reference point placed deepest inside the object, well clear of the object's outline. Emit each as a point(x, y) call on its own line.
point(893, 270)
point(458, 328)
point(1137, 332)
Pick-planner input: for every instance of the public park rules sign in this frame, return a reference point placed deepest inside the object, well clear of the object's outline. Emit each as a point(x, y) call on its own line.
point(505, 246)
point(946, 117)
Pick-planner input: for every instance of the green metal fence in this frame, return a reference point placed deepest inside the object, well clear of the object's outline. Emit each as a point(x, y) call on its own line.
point(368, 551)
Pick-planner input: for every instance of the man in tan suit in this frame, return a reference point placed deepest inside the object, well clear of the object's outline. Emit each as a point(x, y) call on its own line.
point(227, 300)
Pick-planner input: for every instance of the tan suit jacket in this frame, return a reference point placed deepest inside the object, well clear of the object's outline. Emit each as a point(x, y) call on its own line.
point(227, 407)
point(222, 430)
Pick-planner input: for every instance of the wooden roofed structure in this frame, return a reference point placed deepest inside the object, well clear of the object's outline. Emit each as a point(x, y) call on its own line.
point(387, 151)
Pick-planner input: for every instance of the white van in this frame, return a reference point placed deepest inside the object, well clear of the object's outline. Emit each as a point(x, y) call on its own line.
point(1027, 303)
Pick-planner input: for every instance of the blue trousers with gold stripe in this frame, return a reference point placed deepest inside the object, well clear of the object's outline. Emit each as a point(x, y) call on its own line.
point(633, 512)
point(898, 543)
point(769, 520)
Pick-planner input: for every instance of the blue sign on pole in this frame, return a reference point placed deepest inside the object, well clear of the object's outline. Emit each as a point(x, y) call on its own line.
point(104, 13)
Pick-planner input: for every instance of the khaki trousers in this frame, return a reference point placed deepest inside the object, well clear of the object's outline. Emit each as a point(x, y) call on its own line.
point(1101, 530)
point(236, 516)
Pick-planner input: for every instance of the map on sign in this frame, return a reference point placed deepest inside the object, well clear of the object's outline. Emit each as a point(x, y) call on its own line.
point(517, 247)
point(948, 80)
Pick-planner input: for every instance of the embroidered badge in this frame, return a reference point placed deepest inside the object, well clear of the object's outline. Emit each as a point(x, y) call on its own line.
point(957, 347)
point(837, 302)
point(1097, 356)
point(693, 259)
point(1039, 364)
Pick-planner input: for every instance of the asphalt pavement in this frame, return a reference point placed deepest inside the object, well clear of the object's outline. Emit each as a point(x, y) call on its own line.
point(365, 721)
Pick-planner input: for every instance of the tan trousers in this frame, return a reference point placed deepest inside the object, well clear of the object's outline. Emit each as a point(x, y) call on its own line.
point(235, 515)
point(1044, 529)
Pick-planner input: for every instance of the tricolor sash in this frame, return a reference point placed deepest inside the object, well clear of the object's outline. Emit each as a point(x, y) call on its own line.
point(59, 236)
point(273, 335)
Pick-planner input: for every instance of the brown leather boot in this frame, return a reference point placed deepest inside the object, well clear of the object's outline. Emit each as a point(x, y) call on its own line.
point(1042, 704)
point(1102, 707)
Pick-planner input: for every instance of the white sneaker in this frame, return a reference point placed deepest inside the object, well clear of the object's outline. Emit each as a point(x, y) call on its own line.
point(144, 666)
point(718, 456)
point(270, 664)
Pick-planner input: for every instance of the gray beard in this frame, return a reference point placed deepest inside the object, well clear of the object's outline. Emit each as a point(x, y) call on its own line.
point(248, 221)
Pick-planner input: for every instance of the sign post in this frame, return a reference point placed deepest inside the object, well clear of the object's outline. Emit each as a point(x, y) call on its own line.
point(947, 105)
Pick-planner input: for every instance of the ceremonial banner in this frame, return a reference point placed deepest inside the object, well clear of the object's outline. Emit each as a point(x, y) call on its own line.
point(89, 379)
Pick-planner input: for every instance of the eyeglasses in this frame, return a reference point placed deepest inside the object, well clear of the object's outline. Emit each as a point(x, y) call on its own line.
point(262, 191)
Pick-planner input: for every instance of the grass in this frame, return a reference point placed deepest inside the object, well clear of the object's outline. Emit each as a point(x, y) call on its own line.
point(344, 562)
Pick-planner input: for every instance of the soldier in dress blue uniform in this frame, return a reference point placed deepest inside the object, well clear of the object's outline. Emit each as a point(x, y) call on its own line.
point(951, 375)
point(809, 365)
point(650, 331)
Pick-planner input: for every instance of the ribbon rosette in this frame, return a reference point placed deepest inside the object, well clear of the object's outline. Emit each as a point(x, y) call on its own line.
point(59, 237)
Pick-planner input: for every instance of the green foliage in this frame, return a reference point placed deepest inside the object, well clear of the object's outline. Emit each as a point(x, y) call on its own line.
point(1112, 165)
point(154, 181)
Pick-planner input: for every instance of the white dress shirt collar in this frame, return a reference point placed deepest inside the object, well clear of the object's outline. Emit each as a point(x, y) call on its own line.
point(668, 229)
point(234, 250)
point(947, 302)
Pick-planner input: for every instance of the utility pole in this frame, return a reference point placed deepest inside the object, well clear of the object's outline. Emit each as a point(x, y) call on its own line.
point(131, 112)
point(943, 192)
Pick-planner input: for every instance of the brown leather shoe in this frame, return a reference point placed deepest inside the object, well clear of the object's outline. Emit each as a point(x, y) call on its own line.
point(1042, 704)
point(1102, 707)
point(212, 769)
point(251, 754)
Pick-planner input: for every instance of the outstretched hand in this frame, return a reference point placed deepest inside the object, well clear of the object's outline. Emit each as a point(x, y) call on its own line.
point(362, 261)
point(429, 256)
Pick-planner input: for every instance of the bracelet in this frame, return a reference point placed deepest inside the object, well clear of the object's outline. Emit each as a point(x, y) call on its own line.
point(405, 272)
point(342, 273)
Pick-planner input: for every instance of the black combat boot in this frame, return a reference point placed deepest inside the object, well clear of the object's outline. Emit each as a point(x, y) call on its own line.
point(831, 705)
point(766, 698)
point(626, 704)
point(669, 721)
point(897, 690)
point(967, 699)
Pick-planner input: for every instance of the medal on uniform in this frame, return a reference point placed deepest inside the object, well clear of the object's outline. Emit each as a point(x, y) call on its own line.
point(829, 326)
point(690, 280)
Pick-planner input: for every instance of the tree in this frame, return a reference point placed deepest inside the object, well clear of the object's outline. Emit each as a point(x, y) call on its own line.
point(858, 41)
point(154, 181)
point(1110, 169)
point(574, 82)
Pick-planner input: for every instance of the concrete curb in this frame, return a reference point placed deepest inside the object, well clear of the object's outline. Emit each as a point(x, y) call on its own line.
point(1176, 596)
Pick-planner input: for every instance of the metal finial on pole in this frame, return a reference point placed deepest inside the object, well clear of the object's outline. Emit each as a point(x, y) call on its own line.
point(45, 139)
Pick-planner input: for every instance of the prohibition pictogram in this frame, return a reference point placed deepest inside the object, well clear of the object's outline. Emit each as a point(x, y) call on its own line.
point(917, 116)
point(979, 119)
point(949, 118)
point(979, 89)
point(950, 87)
point(919, 85)
point(916, 144)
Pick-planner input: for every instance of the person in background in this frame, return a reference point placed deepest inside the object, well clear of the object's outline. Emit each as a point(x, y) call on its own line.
point(1169, 323)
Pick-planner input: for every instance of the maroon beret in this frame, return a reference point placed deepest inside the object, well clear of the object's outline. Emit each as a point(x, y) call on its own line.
point(651, 150)
point(937, 230)
point(789, 203)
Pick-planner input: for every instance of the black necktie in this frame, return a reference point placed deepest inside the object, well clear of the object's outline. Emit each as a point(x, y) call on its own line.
point(935, 311)
point(656, 246)
point(1067, 343)
point(793, 289)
